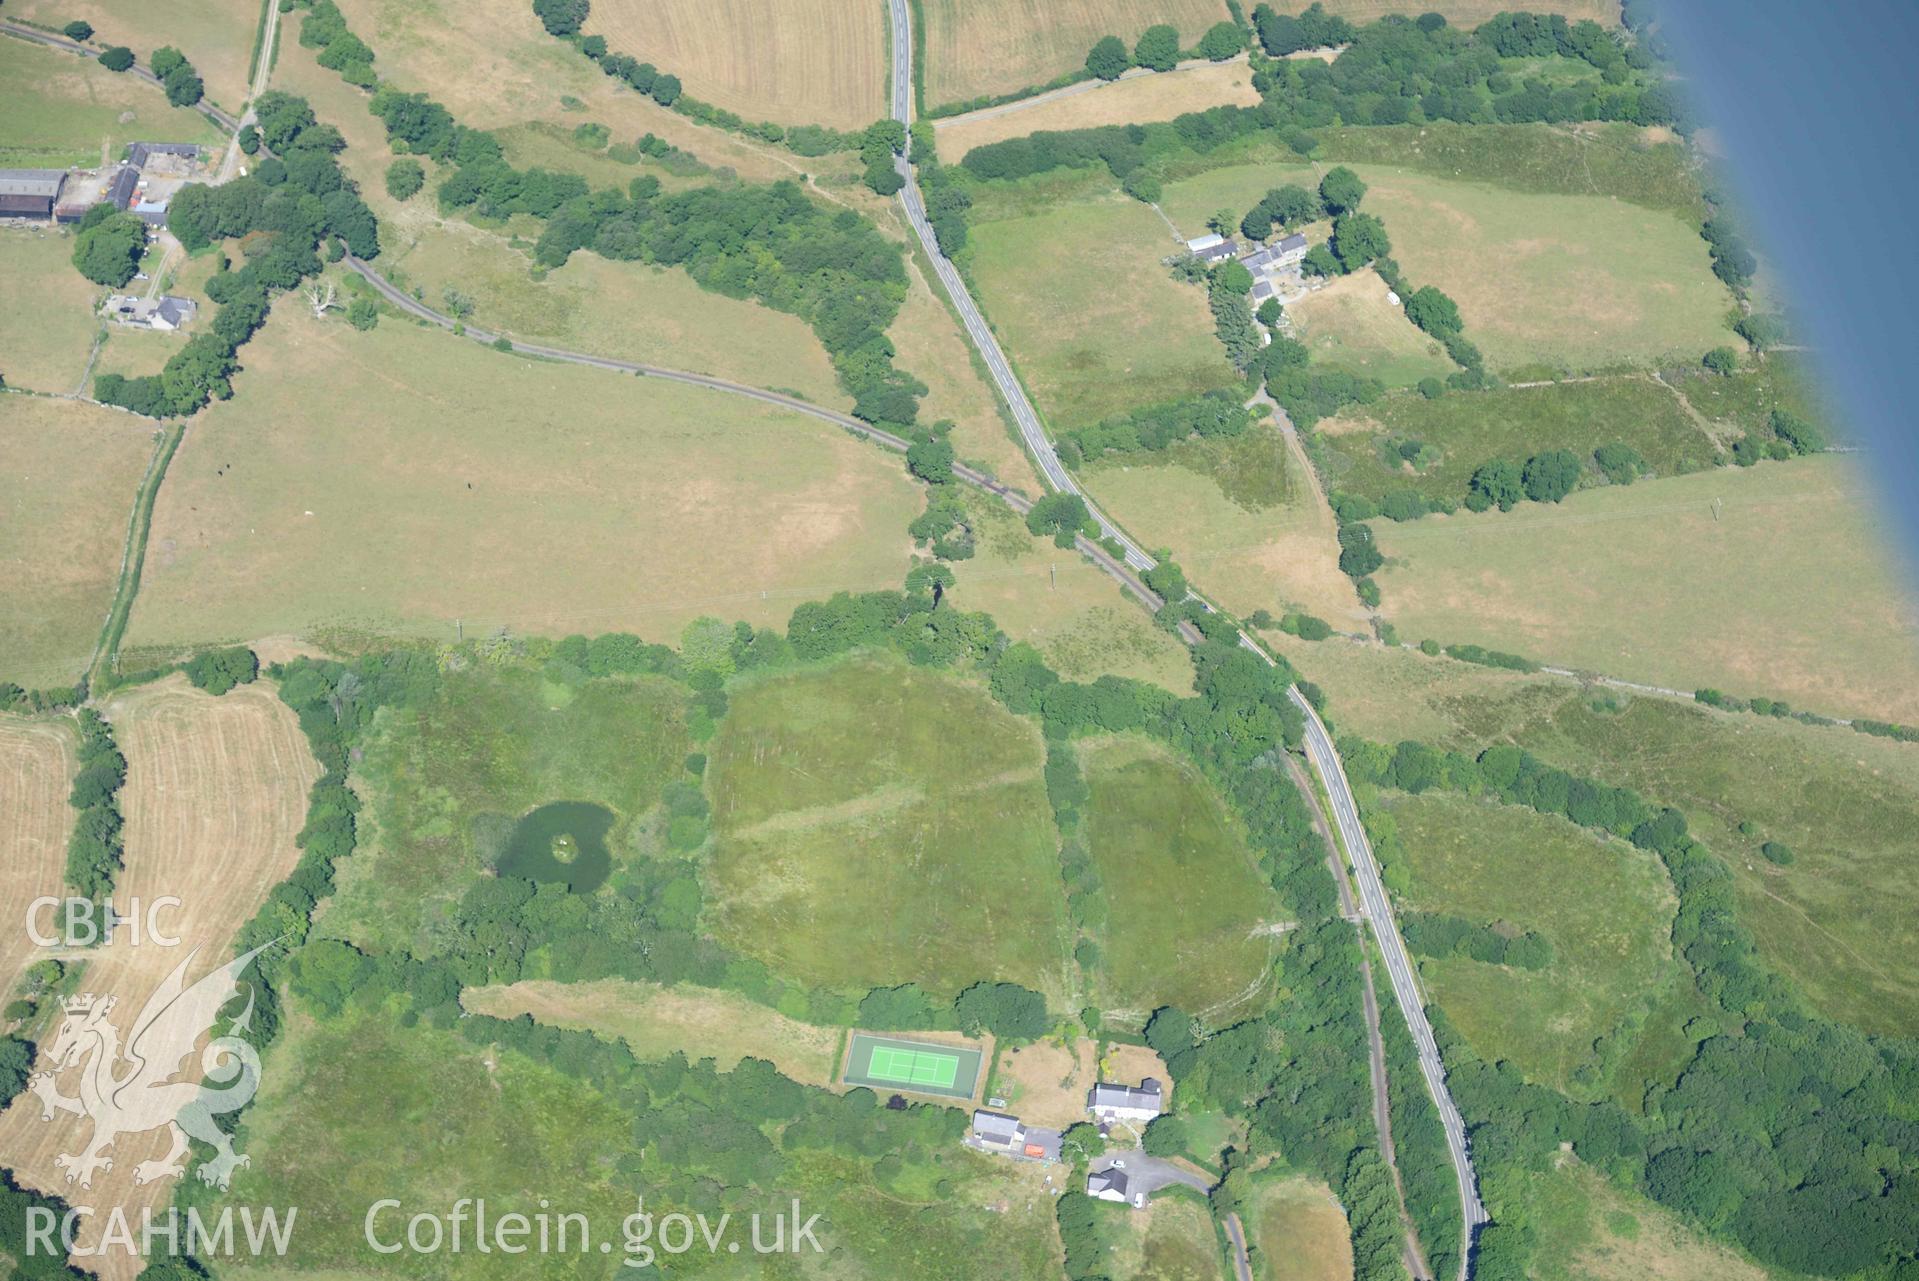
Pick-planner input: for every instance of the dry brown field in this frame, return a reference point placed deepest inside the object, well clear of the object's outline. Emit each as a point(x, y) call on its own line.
point(794, 62)
point(978, 48)
point(1135, 98)
point(216, 791)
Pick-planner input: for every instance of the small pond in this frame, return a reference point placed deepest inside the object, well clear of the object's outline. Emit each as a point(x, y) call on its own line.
point(564, 842)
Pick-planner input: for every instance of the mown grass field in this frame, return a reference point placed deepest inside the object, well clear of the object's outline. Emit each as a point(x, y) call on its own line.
point(658, 1021)
point(538, 496)
point(66, 489)
point(216, 35)
point(1298, 1233)
point(1844, 802)
point(1349, 324)
point(1502, 865)
point(977, 48)
point(1064, 606)
point(447, 780)
point(1358, 452)
point(1190, 201)
point(790, 61)
point(1589, 1230)
point(215, 793)
point(494, 66)
point(1568, 282)
point(1187, 906)
point(1093, 321)
point(59, 109)
point(1775, 580)
point(1243, 516)
point(879, 825)
point(1130, 100)
point(46, 345)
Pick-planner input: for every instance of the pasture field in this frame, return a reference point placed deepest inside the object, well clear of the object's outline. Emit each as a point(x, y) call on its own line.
point(1590, 1230)
point(59, 109)
point(1774, 580)
point(1172, 1239)
point(1093, 321)
point(216, 791)
point(495, 67)
point(1242, 516)
point(1358, 454)
point(66, 489)
point(1645, 167)
point(216, 35)
point(1189, 914)
point(36, 770)
point(794, 62)
point(545, 497)
point(1503, 865)
point(1299, 1233)
point(877, 825)
point(1844, 802)
point(1567, 282)
point(1064, 606)
point(1470, 13)
point(46, 345)
point(656, 1021)
point(1136, 98)
point(981, 48)
point(446, 780)
point(1349, 324)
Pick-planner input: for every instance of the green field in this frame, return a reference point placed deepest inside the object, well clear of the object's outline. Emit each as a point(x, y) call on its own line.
point(1590, 1230)
point(1567, 282)
point(879, 825)
point(448, 779)
point(528, 495)
point(58, 109)
point(1187, 908)
point(67, 486)
point(1505, 865)
point(918, 1067)
point(1775, 580)
point(1190, 201)
point(1844, 802)
point(44, 348)
point(1092, 320)
point(1172, 1239)
point(1241, 516)
point(217, 36)
point(1357, 451)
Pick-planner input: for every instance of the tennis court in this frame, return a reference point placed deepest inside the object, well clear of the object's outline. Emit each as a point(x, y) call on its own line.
point(920, 1067)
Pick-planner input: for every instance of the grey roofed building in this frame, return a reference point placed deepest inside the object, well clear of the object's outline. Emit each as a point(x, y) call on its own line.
point(152, 212)
point(120, 190)
point(997, 1127)
point(1200, 244)
point(1277, 254)
point(1108, 1185)
point(165, 312)
point(1214, 253)
point(139, 153)
point(30, 193)
point(1295, 243)
point(1262, 290)
point(1141, 1101)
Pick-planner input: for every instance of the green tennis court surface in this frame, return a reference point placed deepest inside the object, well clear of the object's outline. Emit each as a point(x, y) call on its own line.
point(918, 1066)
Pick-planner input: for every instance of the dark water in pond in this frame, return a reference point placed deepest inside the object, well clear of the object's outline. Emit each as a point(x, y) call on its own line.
point(564, 842)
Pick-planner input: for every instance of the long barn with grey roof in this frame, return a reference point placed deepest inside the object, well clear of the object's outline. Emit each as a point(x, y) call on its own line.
point(30, 193)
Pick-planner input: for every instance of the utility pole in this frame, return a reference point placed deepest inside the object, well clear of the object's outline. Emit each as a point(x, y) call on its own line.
point(1052, 576)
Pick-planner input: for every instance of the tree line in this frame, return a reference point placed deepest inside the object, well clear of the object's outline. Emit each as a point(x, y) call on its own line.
point(1155, 428)
point(1157, 49)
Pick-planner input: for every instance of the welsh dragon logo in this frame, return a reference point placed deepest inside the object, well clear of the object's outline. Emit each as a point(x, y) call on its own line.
point(130, 1090)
